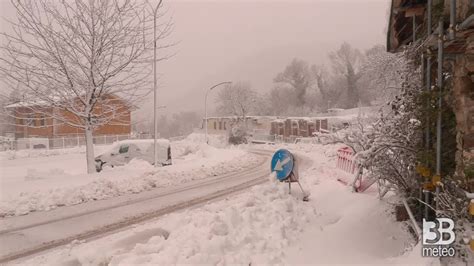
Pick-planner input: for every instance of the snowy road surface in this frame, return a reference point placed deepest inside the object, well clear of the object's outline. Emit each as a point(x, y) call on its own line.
point(47, 181)
point(25, 235)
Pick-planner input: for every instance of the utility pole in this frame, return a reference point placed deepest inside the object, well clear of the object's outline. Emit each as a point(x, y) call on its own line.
point(155, 125)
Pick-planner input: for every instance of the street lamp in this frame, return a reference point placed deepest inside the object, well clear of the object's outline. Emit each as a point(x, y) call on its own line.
point(155, 125)
point(205, 104)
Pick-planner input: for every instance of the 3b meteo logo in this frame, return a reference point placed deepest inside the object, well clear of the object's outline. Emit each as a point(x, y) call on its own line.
point(437, 238)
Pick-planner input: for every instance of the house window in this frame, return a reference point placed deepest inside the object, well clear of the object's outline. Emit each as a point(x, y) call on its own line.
point(29, 121)
point(40, 120)
point(225, 125)
point(215, 125)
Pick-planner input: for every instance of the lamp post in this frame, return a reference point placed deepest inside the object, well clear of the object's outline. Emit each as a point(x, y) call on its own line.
point(155, 125)
point(205, 104)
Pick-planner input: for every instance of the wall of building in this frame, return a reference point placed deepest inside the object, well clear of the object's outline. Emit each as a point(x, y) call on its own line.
point(262, 125)
point(30, 124)
point(298, 127)
point(33, 123)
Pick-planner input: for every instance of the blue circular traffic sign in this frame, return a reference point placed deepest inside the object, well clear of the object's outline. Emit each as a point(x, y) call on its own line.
point(282, 164)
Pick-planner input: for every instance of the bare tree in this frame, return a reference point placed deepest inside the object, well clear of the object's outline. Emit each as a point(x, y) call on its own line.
point(381, 74)
point(237, 99)
point(81, 56)
point(299, 77)
point(280, 100)
point(328, 87)
point(346, 61)
point(180, 124)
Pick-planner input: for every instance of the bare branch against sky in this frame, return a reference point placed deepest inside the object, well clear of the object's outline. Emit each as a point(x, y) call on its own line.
point(254, 39)
point(83, 63)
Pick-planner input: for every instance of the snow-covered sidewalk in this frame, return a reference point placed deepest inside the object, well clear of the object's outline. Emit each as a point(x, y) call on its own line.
point(264, 225)
point(60, 180)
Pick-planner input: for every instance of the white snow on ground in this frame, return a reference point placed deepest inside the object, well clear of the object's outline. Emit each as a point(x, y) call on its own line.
point(264, 225)
point(52, 181)
point(13, 154)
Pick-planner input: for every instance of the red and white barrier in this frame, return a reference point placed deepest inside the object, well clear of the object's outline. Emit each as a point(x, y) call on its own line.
point(345, 160)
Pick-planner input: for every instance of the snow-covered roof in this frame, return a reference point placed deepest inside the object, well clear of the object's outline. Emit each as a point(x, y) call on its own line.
point(26, 104)
point(273, 118)
point(338, 115)
point(144, 144)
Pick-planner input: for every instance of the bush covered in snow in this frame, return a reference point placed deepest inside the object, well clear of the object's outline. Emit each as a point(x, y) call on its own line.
point(395, 152)
point(238, 135)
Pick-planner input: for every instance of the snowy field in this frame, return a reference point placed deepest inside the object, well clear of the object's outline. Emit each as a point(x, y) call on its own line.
point(43, 180)
point(264, 225)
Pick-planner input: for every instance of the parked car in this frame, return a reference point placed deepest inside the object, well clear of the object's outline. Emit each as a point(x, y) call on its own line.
point(122, 152)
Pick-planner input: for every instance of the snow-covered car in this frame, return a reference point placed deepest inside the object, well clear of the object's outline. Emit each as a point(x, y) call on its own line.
point(124, 151)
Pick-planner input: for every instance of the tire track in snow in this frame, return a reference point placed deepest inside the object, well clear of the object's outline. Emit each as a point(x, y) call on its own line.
point(253, 176)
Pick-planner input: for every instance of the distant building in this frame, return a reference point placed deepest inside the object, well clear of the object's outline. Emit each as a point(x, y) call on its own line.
point(298, 126)
point(36, 120)
point(270, 125)
point(220, 125)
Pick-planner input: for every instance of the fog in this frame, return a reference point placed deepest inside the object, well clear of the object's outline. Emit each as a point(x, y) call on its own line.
point(252, 41)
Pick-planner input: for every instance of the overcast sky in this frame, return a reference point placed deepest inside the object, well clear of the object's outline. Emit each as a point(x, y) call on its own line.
point(254, 40)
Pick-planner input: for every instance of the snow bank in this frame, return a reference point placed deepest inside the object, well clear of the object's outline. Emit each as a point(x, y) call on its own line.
point(254, 227)
point(46, 190)
point(216, 140)
point(20, 154)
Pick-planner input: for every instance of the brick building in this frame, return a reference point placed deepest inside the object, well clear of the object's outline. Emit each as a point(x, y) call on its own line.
point(270, 125)
point(41, 120)
point(300, 127)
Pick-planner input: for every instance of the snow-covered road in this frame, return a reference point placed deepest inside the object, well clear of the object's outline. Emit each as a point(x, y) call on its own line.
point(261, 225)
point(36, 232)
point(32, 181)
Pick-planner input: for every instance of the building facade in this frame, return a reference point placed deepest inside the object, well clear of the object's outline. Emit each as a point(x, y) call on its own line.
point(50, 122)
point(270, 125)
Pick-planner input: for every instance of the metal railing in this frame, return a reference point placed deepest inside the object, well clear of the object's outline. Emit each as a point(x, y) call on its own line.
point(65, 141)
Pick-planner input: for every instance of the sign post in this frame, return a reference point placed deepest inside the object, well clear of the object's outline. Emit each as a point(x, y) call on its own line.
point(285, 166)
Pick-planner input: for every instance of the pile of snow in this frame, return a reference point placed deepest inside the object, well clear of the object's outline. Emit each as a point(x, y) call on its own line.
point(49, 189)
point(264, 225)
point(252, 227)
point(33, 174)
point(216, 140)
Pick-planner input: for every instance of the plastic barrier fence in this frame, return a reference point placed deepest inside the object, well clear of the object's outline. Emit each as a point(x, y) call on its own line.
point(345, 160)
